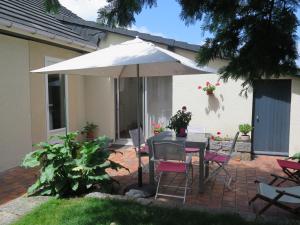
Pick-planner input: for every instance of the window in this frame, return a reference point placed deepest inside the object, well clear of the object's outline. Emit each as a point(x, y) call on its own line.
point(56, 101)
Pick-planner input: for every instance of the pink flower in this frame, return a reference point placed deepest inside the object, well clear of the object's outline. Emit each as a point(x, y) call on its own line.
point(199, 87)
point(218, 133)
point(157, 126)
point(217, 84)
point(212, 138)
point(207, 83)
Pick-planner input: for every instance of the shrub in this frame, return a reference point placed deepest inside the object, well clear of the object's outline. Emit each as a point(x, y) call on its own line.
point(245, 128)
point(180, 120)
point(70, 167)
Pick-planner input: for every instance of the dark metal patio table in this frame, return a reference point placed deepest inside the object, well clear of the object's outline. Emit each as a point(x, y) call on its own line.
point(193, 140)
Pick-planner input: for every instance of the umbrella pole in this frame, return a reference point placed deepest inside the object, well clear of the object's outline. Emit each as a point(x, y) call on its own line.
point(140, 170)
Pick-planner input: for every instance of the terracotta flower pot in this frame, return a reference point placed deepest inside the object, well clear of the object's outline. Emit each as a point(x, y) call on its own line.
point(156, 132)
point(209, 92)
point(90, 135)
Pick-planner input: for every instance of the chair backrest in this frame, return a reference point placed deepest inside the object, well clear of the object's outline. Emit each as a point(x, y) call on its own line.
point(134, 134)
point(168, 151)
point(232, 147)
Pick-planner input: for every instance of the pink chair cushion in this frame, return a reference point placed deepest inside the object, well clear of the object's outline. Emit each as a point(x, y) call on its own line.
point(216, 157)
point(144, 149)
point(288, 164)
point(171, 167)
point(191, 150)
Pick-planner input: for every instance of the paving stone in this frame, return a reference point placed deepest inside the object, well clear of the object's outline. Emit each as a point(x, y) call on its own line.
point(7, 218)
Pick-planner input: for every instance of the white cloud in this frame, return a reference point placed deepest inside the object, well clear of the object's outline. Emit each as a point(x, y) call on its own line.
point(143, 29)
point(86, 9)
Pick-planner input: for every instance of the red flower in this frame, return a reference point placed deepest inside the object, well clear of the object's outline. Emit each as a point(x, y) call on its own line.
point(199, 87)
point(217, 84)
point(207, 83)
point(218, 133)
point(212, 138)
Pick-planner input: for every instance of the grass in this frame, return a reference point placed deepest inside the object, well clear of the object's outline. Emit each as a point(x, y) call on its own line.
point(89, 211)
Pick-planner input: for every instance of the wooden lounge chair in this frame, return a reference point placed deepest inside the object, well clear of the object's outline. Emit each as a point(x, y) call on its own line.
point(291, 169)
point(281, 197)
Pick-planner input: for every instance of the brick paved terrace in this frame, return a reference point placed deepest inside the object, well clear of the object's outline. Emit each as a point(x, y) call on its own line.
point(14, 183)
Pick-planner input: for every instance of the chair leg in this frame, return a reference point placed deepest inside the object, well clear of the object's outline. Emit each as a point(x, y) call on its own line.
point(253, 199)
point(186, 186)
point(157, 188)
point(227, 184)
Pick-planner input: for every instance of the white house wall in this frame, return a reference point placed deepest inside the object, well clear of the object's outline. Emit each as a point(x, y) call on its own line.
point(294, 146)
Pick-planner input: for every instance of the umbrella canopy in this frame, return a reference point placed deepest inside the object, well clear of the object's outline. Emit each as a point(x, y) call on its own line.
point(121, 60)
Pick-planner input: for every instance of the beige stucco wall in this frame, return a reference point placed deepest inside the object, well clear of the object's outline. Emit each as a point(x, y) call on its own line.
point(294, 146)
point(76, 106)
point(100, 107)
point(15, 126)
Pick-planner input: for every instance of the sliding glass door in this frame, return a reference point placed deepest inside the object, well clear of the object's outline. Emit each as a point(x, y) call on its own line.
point(126, 104)
point(155, 104)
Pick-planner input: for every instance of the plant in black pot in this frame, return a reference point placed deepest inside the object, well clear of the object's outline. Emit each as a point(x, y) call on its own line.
point(179, 122)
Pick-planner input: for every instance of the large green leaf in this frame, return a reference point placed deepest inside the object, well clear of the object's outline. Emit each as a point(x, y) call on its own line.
point(48, 174)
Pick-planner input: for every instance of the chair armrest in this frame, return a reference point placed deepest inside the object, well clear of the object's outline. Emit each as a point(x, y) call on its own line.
point(287, 193)
point(281, 177)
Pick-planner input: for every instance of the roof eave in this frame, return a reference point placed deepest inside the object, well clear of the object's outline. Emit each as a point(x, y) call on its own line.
point(45, 36)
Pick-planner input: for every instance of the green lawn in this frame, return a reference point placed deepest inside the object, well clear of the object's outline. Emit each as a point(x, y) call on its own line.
point(88, 211)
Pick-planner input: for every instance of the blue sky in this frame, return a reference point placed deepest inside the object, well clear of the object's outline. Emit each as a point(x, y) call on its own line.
point(165, 20)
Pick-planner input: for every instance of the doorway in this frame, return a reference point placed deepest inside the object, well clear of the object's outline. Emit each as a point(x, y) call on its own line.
point(271, 117)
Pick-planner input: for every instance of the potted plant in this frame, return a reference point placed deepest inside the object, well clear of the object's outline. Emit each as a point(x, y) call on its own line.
point(179, 122)
point(245, 129)
point(209, 88)
point(157, 128)
point(89, 130)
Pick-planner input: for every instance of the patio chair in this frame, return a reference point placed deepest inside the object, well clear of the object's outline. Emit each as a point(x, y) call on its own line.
point(291, 169)
point(170, 157)
point(144, 149)
point(287, 198)
point(222, 160)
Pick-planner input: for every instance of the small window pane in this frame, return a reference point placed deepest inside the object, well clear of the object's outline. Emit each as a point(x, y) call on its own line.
point(56, 95)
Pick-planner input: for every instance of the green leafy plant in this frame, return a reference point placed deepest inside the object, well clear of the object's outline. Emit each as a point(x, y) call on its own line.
point(245, 128)
point(180, 120)
point(296, 156)
point(71, 167)
point(209, 88)
point(89, 130)
point(157, 127)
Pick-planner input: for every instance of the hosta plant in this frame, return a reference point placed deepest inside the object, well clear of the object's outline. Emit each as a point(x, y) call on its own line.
point(71, 167)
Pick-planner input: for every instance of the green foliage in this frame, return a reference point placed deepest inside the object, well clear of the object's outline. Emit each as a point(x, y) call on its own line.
point(180, 120)
point(70, 167)
point(92, 211)
point(245, 128)
point(121, 12)
point(296, 156)
point(89, 127)
point(52, 5)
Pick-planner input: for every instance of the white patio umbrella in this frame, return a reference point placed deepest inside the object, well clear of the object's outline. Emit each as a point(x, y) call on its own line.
point(134, 58)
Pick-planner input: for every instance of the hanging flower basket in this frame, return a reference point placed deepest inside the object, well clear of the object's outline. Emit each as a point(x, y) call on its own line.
point(209, 88)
